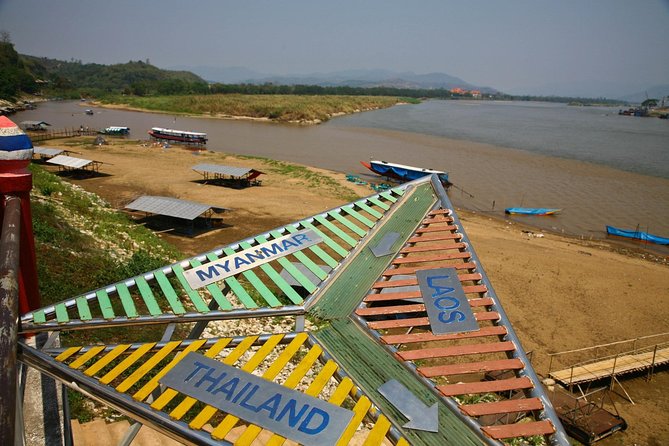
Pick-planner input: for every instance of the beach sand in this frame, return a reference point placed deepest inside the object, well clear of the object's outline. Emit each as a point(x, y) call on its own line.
point(560, 293)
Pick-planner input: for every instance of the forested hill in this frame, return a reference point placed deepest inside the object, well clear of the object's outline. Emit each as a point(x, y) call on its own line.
point(15, 78)
point(137, 78)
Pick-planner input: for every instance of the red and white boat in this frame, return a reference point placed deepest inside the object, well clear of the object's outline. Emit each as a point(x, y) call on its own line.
point(183, 136)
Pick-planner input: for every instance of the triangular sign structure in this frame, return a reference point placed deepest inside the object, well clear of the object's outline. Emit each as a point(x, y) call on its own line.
point(357, 314)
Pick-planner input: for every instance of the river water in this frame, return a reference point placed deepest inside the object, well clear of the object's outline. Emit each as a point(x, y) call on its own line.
point(600, 168)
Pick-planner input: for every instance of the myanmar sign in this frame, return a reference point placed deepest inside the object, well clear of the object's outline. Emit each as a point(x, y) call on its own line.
point(250, 258)
point(287, 412)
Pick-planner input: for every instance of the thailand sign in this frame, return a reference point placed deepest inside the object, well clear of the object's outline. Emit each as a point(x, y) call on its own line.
point(445, 302)
point(287, 412)
point(250, 258)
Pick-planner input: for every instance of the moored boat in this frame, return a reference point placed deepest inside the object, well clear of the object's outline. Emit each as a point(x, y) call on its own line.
point(116, 130)
point(178, 135)
point(531, 211)
point(403, 172)
point(637, 235)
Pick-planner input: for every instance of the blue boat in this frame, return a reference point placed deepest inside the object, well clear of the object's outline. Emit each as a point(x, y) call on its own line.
point(404, 173)
point(637, 235)
point(531, 211)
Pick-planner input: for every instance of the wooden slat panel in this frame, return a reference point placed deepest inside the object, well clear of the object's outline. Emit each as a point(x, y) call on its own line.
point(437, 219)
point(456, 350)
point(338, 232)
point(359, 412)
point(404, 271)
point(388, 196)
point(436, 228)
point(193, 295)
point(414, 281)
point(83, 359)
point(83, 309)
point(106, 359)
point(126, 300)
point(423, 321)
point(146, 367)
point(428, 336)
point(435, 237)
point(440, 212)
point(215, 291)
point(520, 429)
point(336, 247)
point(348, 223)
point(367, 208)
point(168, 292)
point(500, 385)
point(431, 258)
point(127, 362)
point(378, 433)
point(324, 256)
point(433, 247)
point(105, 304)
point(61, 313)
point(258, 284)
point(378, 203)
point(293, 271)
point(506, 406)
point(147, 296)
point(275, 277)
point(390, 310)
point(306, 261)
point(471, 367)
point(39, 317)
point(355, 214)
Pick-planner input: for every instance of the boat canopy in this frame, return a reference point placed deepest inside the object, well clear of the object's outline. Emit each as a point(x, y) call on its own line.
point(637, 235)
point(532, 211)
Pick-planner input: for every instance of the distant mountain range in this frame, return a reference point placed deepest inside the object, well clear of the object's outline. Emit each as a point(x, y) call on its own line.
point(352, 78)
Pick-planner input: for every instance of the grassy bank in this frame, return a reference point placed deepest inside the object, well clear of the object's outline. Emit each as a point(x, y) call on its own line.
point(282, 108)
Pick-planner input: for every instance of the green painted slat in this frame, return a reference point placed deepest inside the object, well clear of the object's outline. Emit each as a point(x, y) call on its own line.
point(168, 292)
point(236, 287)
point(105, 304)
point(306, 261)
point(214, 290)
point(83, 309)
point(388, 195)
point(342, 297)
point(61, 313)
point(39, 317)
point(355, 214)
point(126, 300)
point(147, 296)
point(275, 277)
point(255, 281)
point(379, 203)
point(365, 207)
point(341, 234)
point(370, 365)
point(398, 190)
point(348, 223)
point(290, 268)
point(324, 256)
point(194, 296)
point(327, 240)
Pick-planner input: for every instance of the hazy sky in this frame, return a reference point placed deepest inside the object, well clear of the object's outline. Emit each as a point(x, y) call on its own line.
point(513, 45)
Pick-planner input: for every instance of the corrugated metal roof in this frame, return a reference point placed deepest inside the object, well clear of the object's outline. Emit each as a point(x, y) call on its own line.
point(48, 151)
point(223, 170)
point(69, 161)
point(172, 207)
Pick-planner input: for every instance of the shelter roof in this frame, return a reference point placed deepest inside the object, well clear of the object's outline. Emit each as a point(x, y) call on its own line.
point(34, 123)
point(70, 161)
point(172, 207)
point(223, 170)
point(47, 151)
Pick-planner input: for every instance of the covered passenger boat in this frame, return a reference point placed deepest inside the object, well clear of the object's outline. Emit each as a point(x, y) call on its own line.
point(531, 211)
point(637, 235)
point(404, 173)
point(182, 136)
point(116, 130)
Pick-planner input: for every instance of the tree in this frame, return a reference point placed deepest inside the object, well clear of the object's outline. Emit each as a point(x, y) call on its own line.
point(649, 103)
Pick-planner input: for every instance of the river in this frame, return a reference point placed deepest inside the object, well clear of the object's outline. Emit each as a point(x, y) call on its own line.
point(600, 168)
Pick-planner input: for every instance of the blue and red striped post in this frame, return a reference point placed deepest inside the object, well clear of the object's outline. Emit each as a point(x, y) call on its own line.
point(19, 292)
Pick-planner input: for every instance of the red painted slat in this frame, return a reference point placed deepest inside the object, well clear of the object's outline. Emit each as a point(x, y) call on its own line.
point(456, 350)
point(499, 432)
point(414, 281)
point(412, 270)
point(506, 406)
point(435, 238)
point(500, 385)
point(423, 321)
point(471, 367)
point(389, 310)
point(428, 336)
point(433, 247)
point(430, 229)
point(440, 212)
point(431, 258)
point(438, 219)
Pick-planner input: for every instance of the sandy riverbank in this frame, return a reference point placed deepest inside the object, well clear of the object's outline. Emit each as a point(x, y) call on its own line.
point(560, 293)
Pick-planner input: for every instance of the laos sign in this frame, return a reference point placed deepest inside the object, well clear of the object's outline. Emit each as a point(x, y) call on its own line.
point(250, 258)
point(287, 412)
point(445, 302)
